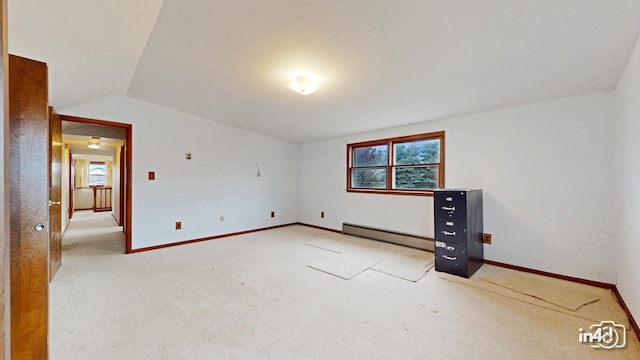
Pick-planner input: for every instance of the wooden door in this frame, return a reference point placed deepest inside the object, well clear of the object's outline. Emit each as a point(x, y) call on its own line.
point(5, 263)
point(29, 200)
point(55, 193)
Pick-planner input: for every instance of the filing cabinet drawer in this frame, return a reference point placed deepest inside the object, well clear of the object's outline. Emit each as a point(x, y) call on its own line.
point(451, 250)
point(450, 204)
point(451, 258)
point(451, 230)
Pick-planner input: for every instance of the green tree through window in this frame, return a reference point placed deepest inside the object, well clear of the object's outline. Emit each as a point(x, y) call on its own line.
point(414, 153)
point(371, 162)
point(405, 165)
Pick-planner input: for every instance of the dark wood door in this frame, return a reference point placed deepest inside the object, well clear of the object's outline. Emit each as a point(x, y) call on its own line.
point(55, 193)
point(29, 200)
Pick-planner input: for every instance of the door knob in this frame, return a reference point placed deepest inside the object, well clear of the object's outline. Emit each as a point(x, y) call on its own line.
point(39, 227)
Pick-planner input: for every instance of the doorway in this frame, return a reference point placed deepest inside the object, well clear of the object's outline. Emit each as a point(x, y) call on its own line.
point(106, 184)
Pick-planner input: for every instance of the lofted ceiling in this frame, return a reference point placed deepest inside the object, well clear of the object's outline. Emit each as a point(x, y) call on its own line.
point(381, 63)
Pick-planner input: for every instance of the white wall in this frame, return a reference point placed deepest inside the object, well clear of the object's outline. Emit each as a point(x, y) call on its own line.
point(219, 180)
point(82, 199)
point(627, 186)
point(545, 170)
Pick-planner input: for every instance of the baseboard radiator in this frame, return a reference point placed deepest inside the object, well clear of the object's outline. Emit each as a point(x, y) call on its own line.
point(414, 241)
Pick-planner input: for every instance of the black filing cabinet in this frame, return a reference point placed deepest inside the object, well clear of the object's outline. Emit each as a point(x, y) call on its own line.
point(458, 231)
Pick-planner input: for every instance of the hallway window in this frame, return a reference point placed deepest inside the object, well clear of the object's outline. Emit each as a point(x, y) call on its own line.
point(97, 174)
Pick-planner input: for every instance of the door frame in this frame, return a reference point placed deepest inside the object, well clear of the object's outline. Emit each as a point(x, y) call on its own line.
point(5, 249)
point(55, 193)
point(71, 186)
point(122, 180)
point(128, 158)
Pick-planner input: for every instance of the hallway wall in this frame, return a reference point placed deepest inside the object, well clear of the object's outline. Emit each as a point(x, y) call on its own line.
point(221, 179)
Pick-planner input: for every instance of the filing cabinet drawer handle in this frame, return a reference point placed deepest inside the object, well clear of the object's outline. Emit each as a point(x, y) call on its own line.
point(449, 223)
point(449, 198)
point(449, 208)
point(449, 233)
point(449, 257)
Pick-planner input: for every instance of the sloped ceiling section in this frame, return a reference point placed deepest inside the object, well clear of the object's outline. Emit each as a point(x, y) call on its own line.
point(381, 63)
point(91, 47)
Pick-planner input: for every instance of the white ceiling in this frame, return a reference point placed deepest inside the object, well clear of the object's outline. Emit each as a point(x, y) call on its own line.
point(383, 63)
point(78, 144)
point(91, 47)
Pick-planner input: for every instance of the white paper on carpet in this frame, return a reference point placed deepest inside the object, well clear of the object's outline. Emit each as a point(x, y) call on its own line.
point(345, 267)
point(410, 264)
point(355, 256)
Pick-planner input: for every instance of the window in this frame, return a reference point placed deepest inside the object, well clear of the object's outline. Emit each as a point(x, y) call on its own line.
point(97, 174)
point(410, 165)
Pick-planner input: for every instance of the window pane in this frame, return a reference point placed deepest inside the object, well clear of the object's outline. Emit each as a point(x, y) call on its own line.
point(96, 180)
point(369, 178)
point(416, 177)
point(97, 169)
point(417, 152)
point(370, 156)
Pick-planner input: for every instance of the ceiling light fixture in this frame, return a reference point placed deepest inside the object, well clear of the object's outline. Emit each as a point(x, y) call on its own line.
point(94, 143)
point(303, 84)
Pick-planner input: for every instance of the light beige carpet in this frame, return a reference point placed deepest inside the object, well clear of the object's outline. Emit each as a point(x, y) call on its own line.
point(539, 287)
point(253, 297)
point(607, 307)
point(409, 264)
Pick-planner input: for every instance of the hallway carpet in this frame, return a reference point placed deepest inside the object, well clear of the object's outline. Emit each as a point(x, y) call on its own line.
point(254, 297)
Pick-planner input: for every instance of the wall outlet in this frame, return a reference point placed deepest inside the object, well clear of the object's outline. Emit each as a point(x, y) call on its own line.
point(322, 214)
point(178, 225)
point(221, 218)
point(486, 238)
point(188, 156)
point(152, 175)
point(273, 214)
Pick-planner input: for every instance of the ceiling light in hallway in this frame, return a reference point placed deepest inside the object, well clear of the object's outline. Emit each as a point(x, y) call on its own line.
point(94, 143)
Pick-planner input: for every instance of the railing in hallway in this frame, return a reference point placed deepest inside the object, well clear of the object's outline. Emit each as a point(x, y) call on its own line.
point(101, 199)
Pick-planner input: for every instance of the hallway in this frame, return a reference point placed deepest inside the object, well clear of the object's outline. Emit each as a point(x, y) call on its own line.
point(89, 234)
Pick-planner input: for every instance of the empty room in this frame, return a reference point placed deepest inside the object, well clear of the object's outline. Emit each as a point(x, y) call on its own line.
point(279, 179)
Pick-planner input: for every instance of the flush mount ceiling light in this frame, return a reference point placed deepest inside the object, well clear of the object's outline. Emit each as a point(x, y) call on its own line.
point(94, 143)
point(303, 84)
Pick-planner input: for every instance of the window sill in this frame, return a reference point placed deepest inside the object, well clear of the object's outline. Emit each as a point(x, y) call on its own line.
point(393, 192)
